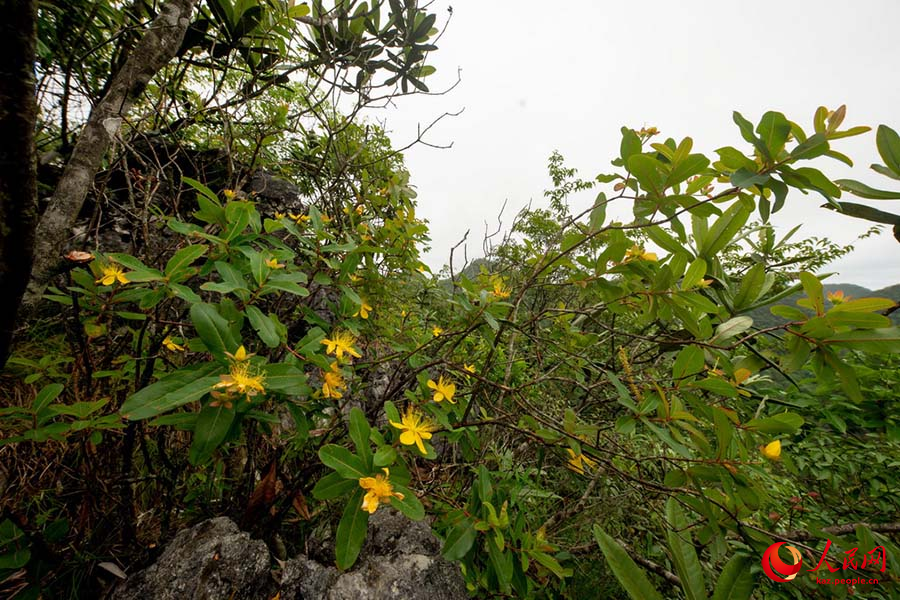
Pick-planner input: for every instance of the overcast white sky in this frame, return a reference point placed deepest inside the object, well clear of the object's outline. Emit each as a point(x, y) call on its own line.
point(539, 76)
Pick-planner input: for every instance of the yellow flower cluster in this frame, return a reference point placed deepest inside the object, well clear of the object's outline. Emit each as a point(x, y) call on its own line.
point(379, 491)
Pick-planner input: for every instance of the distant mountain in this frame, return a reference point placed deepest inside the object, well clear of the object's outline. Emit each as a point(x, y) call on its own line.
point(763, 317)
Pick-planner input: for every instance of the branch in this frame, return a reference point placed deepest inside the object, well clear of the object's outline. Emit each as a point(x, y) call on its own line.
point(836, 530)
point(155, 49)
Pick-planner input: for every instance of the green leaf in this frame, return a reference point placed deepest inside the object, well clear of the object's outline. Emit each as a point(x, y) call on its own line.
point(863, 305)
point(213, 330)
point(598, 213)
point(746, 128)
point(285, 377)
point(883, 341)
point(47, 395)
point(630, 576)
point(175, 389)
point(665, 241)
point(687, 168)
point(784, 423)
point(732, 328)
point(409, 505)
point(723, 230)
point(743, 178)
point(181, 260)
point(550, 563)
point(861, 320)
point(863, 191)
point(736, 580)
point(333, 486)
point(343, 461)
point(751, 287)
point(774, 130)
point(237, 214)
point(788, 312)
point(359, 433)
point(813, 288)
point(689, 362)
point(815, 145)
point(631, 144)
point(202, 189)
point(684, 556)
point(286, 286)
point(351, 531)
point(459, 541)
point(263, 326)
point(694, 274)
point(647, 171)
point(384, 456)
point(209, 432)
point(888, 143)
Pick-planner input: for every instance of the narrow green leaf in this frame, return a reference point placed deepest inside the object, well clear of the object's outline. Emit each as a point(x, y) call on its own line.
point(684, 556)
point(888, 143)
point(333, 486)
point(210, 430)
point(359, 433)
point(630, 576)
point(351, 531)
point(181, 260)
point(213, 330)
point(736, 580)
point(410, 505)
point(173, 390)
point(263, 326)
point(343, 461)
point(459, 541)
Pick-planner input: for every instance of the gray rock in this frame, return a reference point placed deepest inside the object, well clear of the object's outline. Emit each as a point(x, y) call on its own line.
point(400, 559)
point(212, 560)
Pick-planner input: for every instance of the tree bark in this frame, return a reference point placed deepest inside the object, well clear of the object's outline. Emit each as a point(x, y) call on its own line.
point(155, 49)
point(18, 174)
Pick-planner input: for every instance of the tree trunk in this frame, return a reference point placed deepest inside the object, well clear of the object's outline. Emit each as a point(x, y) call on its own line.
point(155, 49)
point(18, 175)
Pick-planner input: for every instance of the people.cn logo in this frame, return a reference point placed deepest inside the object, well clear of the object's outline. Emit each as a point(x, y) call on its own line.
point(778, 570)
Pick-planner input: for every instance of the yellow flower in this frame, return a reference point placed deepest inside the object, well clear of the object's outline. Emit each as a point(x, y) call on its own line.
point(380, 491)
point(111, 274)
point(363, 310)
point(326, 219)
point(229, 194)
point(415, 429)
point(299, 219)
point(436, 331)
point(704, 283)
point(772, 450)
point(443, 389)
point(339, 343)
point(469, 368)
point(333, 382)
point(578, 462)
point(637, 253)
point(403, 313)
point(243, 379)
point(273, 263)
point(171, 345)
point(239, 355)
point(279, 215)
point(500, 290)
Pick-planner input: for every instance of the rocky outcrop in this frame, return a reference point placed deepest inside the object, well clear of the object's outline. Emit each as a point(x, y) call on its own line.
point(214, 559)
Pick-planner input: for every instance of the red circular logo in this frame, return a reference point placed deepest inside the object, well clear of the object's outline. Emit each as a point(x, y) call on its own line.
point(778, 570)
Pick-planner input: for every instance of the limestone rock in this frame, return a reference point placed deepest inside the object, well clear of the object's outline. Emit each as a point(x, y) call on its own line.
point(214, 559)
